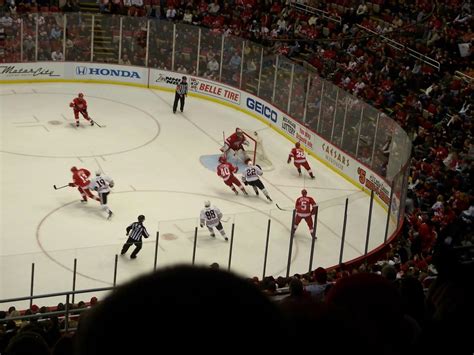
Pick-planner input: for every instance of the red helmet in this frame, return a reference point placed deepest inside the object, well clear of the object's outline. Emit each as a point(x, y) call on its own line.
point(81, 95)
point(304, 192)
point(297, 144)
point(73, 169)
point(222, 159)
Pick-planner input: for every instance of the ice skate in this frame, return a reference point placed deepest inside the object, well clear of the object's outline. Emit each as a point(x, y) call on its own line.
point(110, 215)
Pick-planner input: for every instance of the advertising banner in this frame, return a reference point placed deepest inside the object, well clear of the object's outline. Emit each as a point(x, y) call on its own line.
point(109, 72)
point(160, 78)
point(31, 71)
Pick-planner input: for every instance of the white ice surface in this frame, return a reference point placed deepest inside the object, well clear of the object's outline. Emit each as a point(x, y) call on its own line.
point(153, 156)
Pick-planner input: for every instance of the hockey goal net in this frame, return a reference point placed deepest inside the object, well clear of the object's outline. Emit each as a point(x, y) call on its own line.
point(255, 150)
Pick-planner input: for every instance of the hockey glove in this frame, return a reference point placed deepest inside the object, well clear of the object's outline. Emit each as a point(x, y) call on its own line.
point(289, 160)
point(71, 184)
point(202, 225)
point(71, 105)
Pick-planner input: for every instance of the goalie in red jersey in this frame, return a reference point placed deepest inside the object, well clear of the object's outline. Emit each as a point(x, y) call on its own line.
point(226, 171)
point(80, 178)
point(297, 153)
point(79, 104)
point(235, 144)
point(305, 209)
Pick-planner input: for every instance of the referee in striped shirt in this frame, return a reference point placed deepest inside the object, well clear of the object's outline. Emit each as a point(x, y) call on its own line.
point(135, 232)
point(181, 93)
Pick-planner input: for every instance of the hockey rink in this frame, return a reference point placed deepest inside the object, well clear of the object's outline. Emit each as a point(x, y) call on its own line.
point(154, 157)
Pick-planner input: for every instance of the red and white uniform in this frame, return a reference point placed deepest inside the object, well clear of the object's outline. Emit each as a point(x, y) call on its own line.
point(80, 178)
point(305, 209)
point(235, 141)
point(299, 157)
point(79, 104)
point(226, 172)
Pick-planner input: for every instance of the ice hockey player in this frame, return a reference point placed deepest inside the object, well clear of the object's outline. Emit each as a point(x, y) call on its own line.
point(251, 176)
point(79, 105)
point(226, 171)
point(297, 153)
point(102, 184)
point(211, 217)
point(234, 144)
point(80, 178)
point(305, 209)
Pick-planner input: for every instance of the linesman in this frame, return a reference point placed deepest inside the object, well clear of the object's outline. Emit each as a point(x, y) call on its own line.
point(135, 232)
point(181, 93)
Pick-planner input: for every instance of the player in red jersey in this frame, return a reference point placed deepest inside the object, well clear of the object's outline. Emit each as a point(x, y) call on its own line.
point(297, 153)
point(235, 143)
point(79, 104)
point(80, 178)
point(226, 171)
point(305, 209)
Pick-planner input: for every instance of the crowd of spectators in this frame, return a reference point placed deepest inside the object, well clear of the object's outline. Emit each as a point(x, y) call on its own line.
point(434, 105)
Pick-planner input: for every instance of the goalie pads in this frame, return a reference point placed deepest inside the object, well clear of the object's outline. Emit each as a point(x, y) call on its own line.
point(225, 148)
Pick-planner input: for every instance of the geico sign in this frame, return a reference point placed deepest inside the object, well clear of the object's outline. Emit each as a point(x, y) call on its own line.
point(107, 72)
point(260, 108)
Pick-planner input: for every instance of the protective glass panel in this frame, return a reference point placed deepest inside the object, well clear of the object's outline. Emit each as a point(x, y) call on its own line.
point(251, 63)
point(107, 37)
point(282, 90)
point(10, 39)
point(352, 125)
point(186, 44)
point(161, 45)
point(210, 54)
point(313, 106)
point(134, 32)
point(339, 119)
point(78, 37)
point(367, 137)
point(298, 92)
point(328, 109)
point(268, 75)
point(29, 37)
point(232, 61)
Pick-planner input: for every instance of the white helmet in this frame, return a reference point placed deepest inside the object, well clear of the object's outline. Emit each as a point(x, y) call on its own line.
point(207, 203)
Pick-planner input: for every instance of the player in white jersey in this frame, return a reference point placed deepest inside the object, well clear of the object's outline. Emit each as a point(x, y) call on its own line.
point(102, 184)
point(211, 217)
point(251, 176)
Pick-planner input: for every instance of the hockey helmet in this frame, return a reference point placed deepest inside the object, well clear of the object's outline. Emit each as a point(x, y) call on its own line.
point(141, 218)
point(238, 131)
point(304, 192)
point(249, 162)
point(222, 159)
point(97, 172)
point(297, 144)
point(81, 95)
point(207, 203)
point(73, 169)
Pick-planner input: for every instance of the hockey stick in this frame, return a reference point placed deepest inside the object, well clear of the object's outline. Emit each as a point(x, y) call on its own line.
point(97, 123)
point(60, 187)
point(283, 209)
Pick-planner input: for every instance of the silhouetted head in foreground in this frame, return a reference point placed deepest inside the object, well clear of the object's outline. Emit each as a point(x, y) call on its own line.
point(185, 307)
